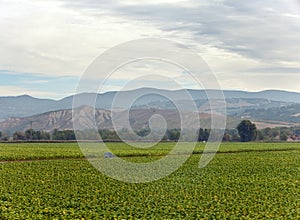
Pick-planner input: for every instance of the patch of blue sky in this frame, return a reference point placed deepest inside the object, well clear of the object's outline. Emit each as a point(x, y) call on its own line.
point(60, 85)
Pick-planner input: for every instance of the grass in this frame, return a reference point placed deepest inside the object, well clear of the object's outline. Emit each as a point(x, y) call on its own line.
point(262, 183)
point(29, 151)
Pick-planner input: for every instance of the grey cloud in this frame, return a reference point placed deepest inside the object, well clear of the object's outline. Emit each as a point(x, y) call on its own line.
point(275, 70)
point(254, 29)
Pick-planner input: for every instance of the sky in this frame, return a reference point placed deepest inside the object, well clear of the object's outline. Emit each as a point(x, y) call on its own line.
point(47, 45)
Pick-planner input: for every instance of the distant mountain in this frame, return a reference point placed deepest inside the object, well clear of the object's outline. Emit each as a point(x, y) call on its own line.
point(233, 105)
point(289, 114)
point(139, 119)
point(23, 106)
point(62, 119)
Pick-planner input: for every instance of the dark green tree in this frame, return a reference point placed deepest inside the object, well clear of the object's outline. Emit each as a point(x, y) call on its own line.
point(4, 138)
point(18, 135)
point(143, 132)
point(63, 135)
point(69, 135)
point(283, 136)
point(247, 131)
point(57, 135)
point(203, 134)
point(260, 135)
point(45, 135)
point(173, 134)
point(226, 137)
point(29, 133)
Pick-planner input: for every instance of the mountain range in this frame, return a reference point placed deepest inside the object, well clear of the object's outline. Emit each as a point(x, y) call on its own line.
point(269, 108)
point(139, 119)
point(23, 106)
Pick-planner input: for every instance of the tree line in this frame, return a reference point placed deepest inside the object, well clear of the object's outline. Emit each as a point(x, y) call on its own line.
point(105, 134)
point(245, 131)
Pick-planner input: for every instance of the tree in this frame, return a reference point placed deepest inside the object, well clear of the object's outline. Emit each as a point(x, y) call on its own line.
point(18, 135)
point(4, 137)
point(29, 134)
point(283, 136)
point(260, 135)
point(69, 135)
point(203, 134)
point(173, 134)
point(267, 133)
point(226, 137)
point(45, 135)
point(63, 135)
point(144, 132)
point(247, 131)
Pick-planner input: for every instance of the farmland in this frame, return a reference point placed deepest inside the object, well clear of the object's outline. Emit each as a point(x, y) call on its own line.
point(53, 180)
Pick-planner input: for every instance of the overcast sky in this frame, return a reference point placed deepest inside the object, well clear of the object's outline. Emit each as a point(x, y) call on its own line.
point(47, 45)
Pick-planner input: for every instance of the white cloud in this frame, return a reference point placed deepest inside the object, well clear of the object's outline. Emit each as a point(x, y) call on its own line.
point(17, 91)
point(46, 38)
point(238, 39)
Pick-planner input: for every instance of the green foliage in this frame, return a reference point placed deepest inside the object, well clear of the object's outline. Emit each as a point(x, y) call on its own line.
point(173, 134)
point(278, 133)
point(31, 134)
point(63, 135)
point(143, 132)
point(259, 135)
point(283, 136)
point(247, 130)
point(111, 135)
point(250, 185)
point(108, 135)
point(27, 151)
point(297, 130)
point(18, 135)
point(203, 134)
point(4, 137)
point(230, 135)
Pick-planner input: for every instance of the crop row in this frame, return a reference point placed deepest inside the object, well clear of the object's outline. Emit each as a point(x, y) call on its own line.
point(245, 185)
point(27, 151)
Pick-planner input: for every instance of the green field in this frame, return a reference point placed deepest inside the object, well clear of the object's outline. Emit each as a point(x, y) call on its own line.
point(54, 181)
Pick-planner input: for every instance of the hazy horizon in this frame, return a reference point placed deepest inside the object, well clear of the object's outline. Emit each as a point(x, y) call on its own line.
point(228, 90)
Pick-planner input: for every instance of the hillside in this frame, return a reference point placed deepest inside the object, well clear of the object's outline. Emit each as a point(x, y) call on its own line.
point(62, 119)
point(266, 108)
point(289, 114)
point(24, 106)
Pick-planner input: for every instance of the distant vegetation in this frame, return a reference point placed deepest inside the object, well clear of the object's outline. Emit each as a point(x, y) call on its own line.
point(246, 131)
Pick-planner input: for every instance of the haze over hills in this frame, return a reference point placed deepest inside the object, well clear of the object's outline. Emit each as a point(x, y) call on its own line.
point(267, 108)
point(138, 118)
point(23, 106)
point(289, 114)
point(62, 120)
